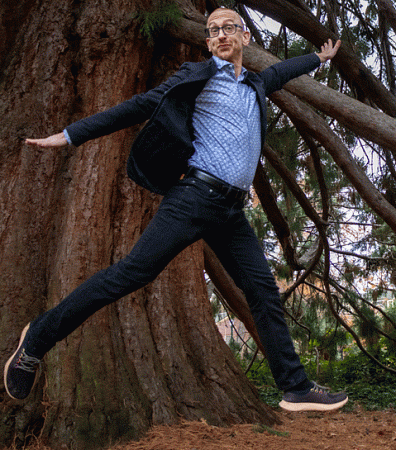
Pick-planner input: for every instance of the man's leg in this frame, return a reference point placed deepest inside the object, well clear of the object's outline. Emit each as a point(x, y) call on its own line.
point(238, 249)
point(170, 231)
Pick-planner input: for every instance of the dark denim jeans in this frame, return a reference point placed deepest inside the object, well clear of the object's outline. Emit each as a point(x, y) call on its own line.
point(191, 210)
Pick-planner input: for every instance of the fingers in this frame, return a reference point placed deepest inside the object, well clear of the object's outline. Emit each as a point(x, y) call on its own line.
point(56, 140)
point(328, 51)
point(337, 45)
point(328, 46)
point(38, 142)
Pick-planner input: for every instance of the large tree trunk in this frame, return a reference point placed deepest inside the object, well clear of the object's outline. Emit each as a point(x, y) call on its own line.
point(154, 356)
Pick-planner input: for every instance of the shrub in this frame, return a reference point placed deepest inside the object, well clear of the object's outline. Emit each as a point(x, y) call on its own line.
point(364, 381)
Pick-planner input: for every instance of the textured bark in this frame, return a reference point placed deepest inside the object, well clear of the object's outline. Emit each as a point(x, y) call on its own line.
point(154, 356)
point(232, 295)
point(388, 9)
point(267, 198)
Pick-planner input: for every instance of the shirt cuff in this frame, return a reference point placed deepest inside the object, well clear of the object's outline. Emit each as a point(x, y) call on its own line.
point(69, 141)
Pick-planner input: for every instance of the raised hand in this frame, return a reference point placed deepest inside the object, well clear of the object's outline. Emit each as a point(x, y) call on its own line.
point(328, 51)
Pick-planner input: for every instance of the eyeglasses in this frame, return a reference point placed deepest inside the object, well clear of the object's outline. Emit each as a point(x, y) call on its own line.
point(227, 30)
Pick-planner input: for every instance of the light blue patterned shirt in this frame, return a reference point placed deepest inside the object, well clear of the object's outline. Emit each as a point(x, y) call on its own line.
point(227, 127)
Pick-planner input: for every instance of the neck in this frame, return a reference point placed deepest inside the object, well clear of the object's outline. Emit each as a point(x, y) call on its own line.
point(238, 69)
point(237, 61)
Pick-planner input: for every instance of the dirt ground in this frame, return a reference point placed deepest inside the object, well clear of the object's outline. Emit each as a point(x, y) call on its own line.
point(358, 430)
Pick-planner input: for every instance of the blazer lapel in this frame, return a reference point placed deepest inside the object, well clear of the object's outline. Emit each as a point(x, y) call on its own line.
point(254, 81)
point(202, 71)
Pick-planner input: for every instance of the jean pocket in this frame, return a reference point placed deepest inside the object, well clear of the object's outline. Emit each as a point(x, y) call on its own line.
point(205, 192)
point(178, 201)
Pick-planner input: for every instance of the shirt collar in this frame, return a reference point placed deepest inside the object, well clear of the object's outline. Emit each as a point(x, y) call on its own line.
point(220, 63)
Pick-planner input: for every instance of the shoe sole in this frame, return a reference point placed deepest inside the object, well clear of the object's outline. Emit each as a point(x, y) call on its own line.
point(289, 406)
point(23, 334)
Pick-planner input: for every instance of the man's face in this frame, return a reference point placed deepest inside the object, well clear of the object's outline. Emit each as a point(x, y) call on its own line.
point(227, 47)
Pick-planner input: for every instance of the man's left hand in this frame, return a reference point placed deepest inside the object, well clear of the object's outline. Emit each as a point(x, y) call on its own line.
point(328, 51)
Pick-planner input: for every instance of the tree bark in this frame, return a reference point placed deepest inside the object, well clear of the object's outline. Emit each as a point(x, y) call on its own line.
point(233, 296)
point(154, 356)
point(268, 201)
point(389, 11)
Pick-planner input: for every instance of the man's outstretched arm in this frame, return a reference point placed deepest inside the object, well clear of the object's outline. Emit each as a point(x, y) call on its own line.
point(277, 75)
point(56, 140)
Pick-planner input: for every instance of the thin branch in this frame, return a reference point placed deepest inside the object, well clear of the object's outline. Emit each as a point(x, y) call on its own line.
point(344, 291)
point(298, 323)
point(324, 193)
point(250, 24)
point(268, 201)
point(356, 255)
point(252, 361)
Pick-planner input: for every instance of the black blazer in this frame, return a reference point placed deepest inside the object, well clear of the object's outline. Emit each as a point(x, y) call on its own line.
point(160, 153)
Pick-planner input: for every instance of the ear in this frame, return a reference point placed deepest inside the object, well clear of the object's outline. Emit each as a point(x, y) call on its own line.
point(246, 38)
point(208, 43)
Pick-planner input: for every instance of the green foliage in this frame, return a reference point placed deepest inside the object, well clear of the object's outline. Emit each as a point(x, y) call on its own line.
point(261, 226)
point(154, 20)
point(234, 346)
point(260, 375)
point(362, 247)
point(364, 381)
point(388, 344)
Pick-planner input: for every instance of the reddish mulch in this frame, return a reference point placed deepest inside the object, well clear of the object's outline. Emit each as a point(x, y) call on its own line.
point(358, 430)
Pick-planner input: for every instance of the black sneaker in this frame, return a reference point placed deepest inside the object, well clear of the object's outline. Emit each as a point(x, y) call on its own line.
point(317, 399)
point(20, 371)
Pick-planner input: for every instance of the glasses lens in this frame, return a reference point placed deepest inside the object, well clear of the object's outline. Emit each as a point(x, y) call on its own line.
point(229, 29)
point(214, 31)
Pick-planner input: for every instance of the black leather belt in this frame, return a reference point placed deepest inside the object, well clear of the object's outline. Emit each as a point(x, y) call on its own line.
point(229, 192)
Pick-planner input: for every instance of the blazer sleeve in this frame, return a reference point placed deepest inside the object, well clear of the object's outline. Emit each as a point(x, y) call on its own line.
point(280, 73)
point(136, 110)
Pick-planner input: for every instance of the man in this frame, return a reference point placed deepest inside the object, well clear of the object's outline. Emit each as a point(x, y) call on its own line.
point(208, 122)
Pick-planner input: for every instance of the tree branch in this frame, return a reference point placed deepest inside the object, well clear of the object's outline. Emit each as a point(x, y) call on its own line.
point(268, 201)
point(363, 120)
point(304, 23)
point(305, 118)
point(234, 297)
point(389, 11)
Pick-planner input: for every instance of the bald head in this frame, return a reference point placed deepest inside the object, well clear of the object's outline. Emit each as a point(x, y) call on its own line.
point(223, 44)
point(222, 12)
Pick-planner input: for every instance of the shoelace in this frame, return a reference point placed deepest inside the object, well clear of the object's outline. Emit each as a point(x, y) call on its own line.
point(317, 388)
point(26, 362)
